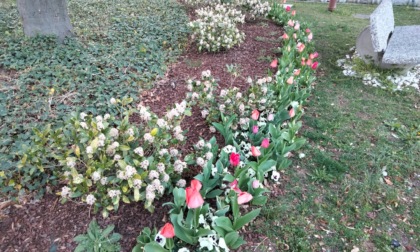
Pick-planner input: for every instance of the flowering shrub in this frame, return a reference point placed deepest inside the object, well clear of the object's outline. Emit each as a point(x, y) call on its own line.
point(215, 29)
point(104, 159)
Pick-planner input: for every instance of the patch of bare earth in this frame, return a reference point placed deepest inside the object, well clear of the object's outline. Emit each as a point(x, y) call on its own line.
point(47, 224)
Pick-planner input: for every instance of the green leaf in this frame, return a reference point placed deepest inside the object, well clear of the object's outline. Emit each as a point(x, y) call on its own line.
point(225, 223)
point(154, 247)
point(214, 193)
point(242, 221)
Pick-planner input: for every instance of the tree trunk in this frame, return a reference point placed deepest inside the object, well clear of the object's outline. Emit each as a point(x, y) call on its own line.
point(45, 17)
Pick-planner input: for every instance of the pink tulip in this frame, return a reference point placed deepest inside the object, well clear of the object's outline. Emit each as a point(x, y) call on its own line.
point(307, 30)
point(314, 65)
point(196, 185)
point(290, 80)
point(285, 36)
point(193, 198)
point(300, 47)
point(265, 143)
point(255, 151)
point(270, 117)
point(244, 197)
point(303, 61)
point(293, 12)
point(288, 8)
point(297, 26)
point(296, 72)
point(274, 63)
point(167, 231)
point(255, 184)
point(313, 55)
point(294, 36)
point(309, 62)
point(255, 114)
point(234, 159)
point(234, 186)
point(255, 129)
point(292, 112)
point(310, 36)
point(291, 23)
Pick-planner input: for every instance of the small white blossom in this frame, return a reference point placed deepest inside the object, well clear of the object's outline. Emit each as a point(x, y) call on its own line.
point(163, 152)
point(96, 176)
point(144, 164)
point(275, 175)
point(148, 138)
point(139, 151)
point(113, 101)
point(117, 157)
point(200, 161)
point(83, 115)
point(90, 199)
point(114, 132)
point(160, 167)
point(65, 191)
point(153, 174)
point(83, 125)
point(174, 152)
point(89, 149)
point(181, 183)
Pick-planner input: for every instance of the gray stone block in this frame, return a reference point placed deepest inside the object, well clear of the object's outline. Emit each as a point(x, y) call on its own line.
point(381, 25)
point(404, 46)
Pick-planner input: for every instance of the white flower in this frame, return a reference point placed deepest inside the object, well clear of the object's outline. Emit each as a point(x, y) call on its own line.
point(153, 174)
point(160, 239)
point(238, 95)
point(222, 108)
point(117, 157)
point(139, 151)
point(155, 183)
point(181, 183)
point(275, 175)
point(222, 244)
point(161, 123)
point(71, 163)
point(209, 155)
point(137, 183)
point(100, 125)
point(174, 152)
point(83, 125)
point(165, 177)
point(99, 118)
point(104, 181)
point(200, 144)
point(144, 164)
point(204, 113)
point(83, 115)
point(96, 176)
point(212, 129)
point(163, 152)
point(113, 101)
point(130, 171)
point(206, 74)
point(107, 116)
point(130, 132)
point(190, 87)
point(223, 92)
point(301, 155)
point(179, 166)
point(183, 250)
point(160, 167)
point(90, 199)
point(177, 130)
point(148, 138)
point(114, 193)
point(179, 137)
point(150, 196)
point(114, 132)
point(270, 117)
point(206, 242)
point(195, 96)
point(200, 161)
point(65, 191)
point(89, 149)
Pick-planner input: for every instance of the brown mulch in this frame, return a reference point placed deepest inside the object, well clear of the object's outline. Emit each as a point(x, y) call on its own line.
point(47, 225)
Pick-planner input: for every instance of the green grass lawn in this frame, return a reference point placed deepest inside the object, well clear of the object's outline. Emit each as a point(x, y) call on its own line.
point(336, 197)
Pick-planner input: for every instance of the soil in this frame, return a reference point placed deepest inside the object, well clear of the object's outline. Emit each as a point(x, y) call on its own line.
point(48, 225)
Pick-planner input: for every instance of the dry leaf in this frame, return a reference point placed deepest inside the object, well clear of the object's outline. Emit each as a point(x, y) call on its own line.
point(388, 181)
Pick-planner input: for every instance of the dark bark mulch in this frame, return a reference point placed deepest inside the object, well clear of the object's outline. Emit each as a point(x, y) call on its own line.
point(47, 224)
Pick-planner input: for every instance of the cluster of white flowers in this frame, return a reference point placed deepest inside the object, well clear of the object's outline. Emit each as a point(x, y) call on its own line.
point(90, 199)
point(149, 138)
point(96, 176)
point(257, 7)
point(114, 193)
point(178, 133)
point(127, 173)
point(65, 191)
point(144, 113)
point(215, 29)
point(179, 166)
point(139, 151)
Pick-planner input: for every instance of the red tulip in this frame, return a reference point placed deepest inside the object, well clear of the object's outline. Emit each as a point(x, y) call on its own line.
point(193, 198)
point(234, 159)
point(234, 186)
point(255, 151)
point(292, 112)
point(307, 30)
point(244, 197)
point(255, 129)
point(168, 231)
point(255, 114)
point(274, 62)
point(265, 143)
point(196, 185)
point(314, 65)
point(288, 8)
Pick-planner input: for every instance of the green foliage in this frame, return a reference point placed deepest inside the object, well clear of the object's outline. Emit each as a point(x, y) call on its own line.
point(119, 49)
point(98, 240)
